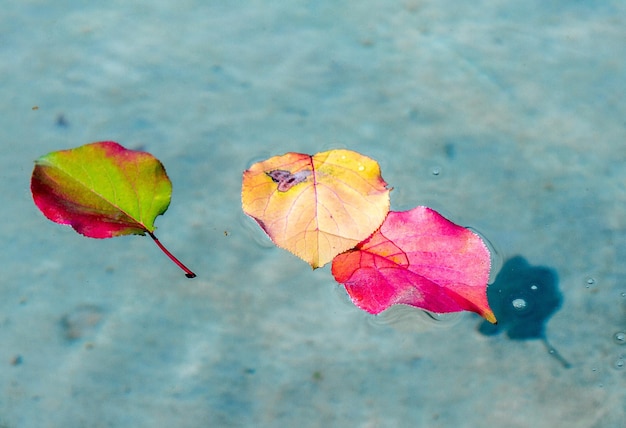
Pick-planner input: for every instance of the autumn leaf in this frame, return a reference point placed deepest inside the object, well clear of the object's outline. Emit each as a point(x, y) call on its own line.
point(418, 258)
point(316, 206)
point(103, 190)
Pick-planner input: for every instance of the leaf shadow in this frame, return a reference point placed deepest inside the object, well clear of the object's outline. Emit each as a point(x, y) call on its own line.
point(523, 298)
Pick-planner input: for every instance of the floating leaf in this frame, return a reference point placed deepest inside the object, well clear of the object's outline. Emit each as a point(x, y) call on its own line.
point(316, 206)
point(103, 190)
point(418, 258)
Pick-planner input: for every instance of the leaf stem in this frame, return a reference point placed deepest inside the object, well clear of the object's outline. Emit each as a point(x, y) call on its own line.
point(188, 272)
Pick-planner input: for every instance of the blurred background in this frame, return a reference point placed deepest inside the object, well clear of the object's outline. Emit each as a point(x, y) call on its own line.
point(507, 117)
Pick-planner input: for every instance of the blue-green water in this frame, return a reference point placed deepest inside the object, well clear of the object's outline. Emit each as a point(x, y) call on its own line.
point(507, 117)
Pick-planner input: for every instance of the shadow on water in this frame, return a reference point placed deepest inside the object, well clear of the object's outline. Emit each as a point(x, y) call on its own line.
point(522, 298)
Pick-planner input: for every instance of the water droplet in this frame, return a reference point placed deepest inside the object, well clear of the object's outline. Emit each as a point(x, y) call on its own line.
point(436, 170)
point(620, 338)
point(590, 281)
point(519, 304)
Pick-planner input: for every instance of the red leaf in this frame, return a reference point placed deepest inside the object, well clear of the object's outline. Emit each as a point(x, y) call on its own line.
point(418, 258)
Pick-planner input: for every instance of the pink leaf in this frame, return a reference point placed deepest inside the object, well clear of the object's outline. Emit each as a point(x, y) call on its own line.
point(418, 258)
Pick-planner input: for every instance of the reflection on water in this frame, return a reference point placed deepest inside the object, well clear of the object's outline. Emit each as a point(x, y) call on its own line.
point(523, 297)
point(409, 318)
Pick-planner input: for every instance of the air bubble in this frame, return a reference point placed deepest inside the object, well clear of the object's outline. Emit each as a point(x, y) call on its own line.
point(534, 287)
point(619, 364)
point(436, 170)
point(620, 338)
point(590, 281)
point(623, 294)
point(519, 304)
point(361, 168)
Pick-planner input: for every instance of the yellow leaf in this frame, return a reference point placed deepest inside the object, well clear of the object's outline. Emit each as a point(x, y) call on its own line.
point(316, 206)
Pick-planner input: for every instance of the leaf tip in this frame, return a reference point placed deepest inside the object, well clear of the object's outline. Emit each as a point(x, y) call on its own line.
point(489, 316)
